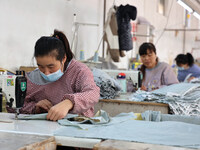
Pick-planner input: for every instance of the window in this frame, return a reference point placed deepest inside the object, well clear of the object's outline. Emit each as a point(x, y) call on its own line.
point(161, 7)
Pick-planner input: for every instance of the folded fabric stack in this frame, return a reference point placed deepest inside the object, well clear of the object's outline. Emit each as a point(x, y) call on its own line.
point(182, 98)
point(109, 87)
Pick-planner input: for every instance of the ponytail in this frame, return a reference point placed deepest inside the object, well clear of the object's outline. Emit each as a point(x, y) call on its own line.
point(60, 35)
point(184, 59)
point(190, 59)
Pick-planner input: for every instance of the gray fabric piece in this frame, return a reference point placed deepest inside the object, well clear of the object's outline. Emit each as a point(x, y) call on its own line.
point(110, 121)
point(164, 133)
point(151, 116)
point(180, 89)
point(186, 119)
point(158, 117)
point(195, 80)
point(41, 116)
point(141, 95)
point(102, 118)
point(109, 87)
point(33, 117)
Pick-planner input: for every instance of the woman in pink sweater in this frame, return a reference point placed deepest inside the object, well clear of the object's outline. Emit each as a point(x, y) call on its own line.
point(60, 84)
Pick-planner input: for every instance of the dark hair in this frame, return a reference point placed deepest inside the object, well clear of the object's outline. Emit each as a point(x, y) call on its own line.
point(56, 45)
point(143, 51)
point(184, 59)
point(146, 46)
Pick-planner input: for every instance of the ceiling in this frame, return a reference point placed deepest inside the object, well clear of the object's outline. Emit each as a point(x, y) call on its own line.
point(194, 4)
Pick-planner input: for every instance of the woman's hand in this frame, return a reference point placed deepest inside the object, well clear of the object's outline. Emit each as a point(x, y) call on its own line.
point(143, 88)
point(191, 78)
point(43, 106)
point(60, 110)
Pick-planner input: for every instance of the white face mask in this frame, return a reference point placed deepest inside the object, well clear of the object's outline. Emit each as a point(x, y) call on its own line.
point(53, 76)
point(181, 68)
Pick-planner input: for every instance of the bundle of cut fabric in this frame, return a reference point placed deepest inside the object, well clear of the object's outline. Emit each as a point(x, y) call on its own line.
point(182, 98)
point(109, 87)
point(158, 117)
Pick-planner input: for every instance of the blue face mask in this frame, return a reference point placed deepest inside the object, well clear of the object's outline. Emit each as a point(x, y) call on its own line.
point(180, 68)
point(53, 76)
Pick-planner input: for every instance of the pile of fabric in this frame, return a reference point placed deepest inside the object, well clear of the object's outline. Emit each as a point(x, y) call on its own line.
point(109, 87)
point(182, 98)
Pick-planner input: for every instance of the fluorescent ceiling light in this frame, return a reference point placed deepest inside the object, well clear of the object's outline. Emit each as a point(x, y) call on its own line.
point(185, 6)
point(196, 15)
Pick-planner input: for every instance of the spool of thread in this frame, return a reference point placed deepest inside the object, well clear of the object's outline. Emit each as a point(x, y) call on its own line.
point(82, 57)
point(121, 78)
point(95, 58)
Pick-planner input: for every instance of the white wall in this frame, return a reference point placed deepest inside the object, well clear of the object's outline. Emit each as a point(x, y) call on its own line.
point(24, 21)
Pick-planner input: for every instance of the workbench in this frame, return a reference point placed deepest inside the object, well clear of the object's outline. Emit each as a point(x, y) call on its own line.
point(14, 141)
point(124, 145)
point(38, 134)
point(122, 103)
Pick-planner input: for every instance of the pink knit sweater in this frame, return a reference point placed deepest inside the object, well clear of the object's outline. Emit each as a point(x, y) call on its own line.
point(77, 84)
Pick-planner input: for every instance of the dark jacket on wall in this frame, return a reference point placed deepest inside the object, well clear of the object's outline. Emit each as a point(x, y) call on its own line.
point(124, 14)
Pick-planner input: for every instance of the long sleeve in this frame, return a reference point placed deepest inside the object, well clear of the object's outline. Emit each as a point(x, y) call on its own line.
point(87, 93)
point(168, 76)
point(29, 107)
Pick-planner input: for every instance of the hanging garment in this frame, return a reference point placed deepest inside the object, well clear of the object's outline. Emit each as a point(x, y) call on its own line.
point(124, 14)
point(111, 36)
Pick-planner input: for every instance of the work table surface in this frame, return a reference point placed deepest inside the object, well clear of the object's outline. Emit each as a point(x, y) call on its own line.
point(18, 133)
point(40, 129)
point(14, 141)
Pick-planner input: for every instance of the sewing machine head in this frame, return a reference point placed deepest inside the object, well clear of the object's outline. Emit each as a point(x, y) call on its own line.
point(134, 75)
point(13, 88)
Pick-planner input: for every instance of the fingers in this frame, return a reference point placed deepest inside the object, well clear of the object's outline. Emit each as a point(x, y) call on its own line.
point(48, 104)
point(60, 110)
point(44, 104)
point(55, 114)
point(52, 115)
point(143, 88)
point(191, 78)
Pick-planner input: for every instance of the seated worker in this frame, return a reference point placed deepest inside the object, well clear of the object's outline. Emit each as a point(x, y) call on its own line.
point(60, 84)
point(186, 66)
point(155, 74)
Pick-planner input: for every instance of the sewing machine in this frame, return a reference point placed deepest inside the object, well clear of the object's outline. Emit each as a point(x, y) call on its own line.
point(13, 87)
point(135, 76)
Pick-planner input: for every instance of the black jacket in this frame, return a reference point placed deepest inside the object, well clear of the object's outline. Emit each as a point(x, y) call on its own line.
point(124, 14)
